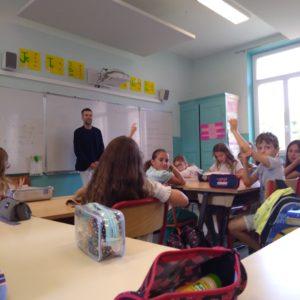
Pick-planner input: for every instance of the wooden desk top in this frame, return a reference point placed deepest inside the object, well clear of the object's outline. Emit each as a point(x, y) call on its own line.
point(273, 272)
point(204, 187)
point(52, 209)
point(40, 260)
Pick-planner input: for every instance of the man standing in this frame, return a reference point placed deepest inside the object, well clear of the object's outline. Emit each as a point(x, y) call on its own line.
point(88, 146)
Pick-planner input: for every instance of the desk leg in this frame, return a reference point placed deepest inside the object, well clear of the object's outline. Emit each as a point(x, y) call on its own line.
point(209, 221)
point(202, 210)
point(224, 223)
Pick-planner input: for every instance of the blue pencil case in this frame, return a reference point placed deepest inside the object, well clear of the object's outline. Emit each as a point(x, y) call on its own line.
point(225, 181)
point(100, 231)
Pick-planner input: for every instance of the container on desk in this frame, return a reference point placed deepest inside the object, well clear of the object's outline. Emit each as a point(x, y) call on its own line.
point(100, 231)
point(27, 194)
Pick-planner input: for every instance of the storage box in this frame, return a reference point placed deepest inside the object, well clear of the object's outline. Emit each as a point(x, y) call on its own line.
point(100, 231)
point(33, 193)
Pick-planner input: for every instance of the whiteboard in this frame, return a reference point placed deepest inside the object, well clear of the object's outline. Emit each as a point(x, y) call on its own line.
point(63, 116)
point(156, 132)
point(21, 127)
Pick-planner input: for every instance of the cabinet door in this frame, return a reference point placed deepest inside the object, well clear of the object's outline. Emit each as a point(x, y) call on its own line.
point(189, 124)
point(212, 111)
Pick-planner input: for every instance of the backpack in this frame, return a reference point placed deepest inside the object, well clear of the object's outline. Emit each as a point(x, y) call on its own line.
point(277, 224)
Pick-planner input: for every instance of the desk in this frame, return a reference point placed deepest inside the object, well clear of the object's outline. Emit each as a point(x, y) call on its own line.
point(221, 198)
point(273, 272)
point(52, 209)
point(41, 261)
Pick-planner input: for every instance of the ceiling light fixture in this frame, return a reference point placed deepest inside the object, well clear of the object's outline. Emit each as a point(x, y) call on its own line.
point(225, 10)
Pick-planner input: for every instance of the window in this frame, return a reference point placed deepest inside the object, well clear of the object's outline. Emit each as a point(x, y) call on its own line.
point(277, 94)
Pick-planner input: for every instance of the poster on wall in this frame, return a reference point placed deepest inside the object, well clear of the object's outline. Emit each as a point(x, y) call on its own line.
point(76, 69)
point(209, 131)
point(55, 64)
point(149, 87)
point(30, 59)
point(135, 84)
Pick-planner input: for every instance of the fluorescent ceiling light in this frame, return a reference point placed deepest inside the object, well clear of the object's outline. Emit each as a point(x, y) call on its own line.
point(225, 10)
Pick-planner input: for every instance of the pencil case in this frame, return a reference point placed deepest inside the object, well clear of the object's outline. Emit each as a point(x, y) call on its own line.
point(100, 231)
point(33, 193)
point(225, 181)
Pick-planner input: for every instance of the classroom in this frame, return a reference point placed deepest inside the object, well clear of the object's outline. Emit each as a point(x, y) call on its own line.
point(149, 149)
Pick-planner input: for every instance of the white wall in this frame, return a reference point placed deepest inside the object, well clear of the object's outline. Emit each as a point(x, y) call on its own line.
point(168, 70)
point(226, 72)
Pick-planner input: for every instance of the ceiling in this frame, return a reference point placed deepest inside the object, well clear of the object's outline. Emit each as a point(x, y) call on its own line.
point(114, 23)
point(213, 33)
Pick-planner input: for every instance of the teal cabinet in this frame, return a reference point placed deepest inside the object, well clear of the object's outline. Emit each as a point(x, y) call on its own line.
point(203, 123)
point(189, 125)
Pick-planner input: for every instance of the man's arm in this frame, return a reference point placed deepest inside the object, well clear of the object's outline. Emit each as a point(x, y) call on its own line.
point(101, 144)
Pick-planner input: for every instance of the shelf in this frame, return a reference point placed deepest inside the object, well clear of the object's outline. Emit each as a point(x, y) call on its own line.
point(79, 86)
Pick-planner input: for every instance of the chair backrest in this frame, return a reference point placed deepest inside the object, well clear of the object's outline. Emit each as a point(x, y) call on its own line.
point(272, 186)
point(15, 179)
point(143, 216)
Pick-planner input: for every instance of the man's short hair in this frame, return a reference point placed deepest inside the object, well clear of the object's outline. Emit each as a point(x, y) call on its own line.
point(86, 109)
point(269, 138)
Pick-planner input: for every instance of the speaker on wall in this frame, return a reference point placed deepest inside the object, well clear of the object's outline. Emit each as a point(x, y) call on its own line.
point(163, 95)
point(9, 61)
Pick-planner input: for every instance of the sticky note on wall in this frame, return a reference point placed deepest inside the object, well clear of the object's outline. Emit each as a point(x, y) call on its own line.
point(76, 69)
point(135, 84)
point(149, 87)
point(30, 59)
point(55, 64)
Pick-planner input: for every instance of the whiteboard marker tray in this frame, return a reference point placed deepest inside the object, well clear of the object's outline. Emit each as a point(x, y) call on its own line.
point(33, 193)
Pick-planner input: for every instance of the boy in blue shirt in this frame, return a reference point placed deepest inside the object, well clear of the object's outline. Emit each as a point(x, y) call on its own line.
point(270, 168)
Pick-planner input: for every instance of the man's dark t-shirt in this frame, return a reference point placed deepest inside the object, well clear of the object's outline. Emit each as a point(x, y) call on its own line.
point(88, 147)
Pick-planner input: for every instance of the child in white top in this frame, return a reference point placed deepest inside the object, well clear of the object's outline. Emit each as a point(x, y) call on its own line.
point(189, 172)
point(225, 161)
point(159, 169)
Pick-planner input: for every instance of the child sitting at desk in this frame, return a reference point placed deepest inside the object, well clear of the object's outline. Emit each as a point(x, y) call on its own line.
point(159, 169)
point(270, 168)
point(225, 161)
point(187, 171)
point(292, 160)
point(5, 184)
point(119, 176)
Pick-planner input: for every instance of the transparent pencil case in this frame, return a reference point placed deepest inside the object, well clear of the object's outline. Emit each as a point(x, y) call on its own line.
point(100, 231)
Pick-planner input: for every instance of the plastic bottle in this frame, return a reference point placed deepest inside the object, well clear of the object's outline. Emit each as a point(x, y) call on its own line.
point(208, 282)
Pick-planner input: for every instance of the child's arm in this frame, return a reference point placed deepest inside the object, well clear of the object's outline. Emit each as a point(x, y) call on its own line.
point(290, 171)
point(244, 145)
point(133, 129)
point(177, 177)
point(245, 174)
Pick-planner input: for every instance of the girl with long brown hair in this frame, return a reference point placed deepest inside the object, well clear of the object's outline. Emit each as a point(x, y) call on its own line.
point(225, 161)
point(119, 176)
point(3, 166)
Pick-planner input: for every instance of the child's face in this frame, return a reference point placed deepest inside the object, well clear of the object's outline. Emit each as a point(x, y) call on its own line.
point(180, 165)
point(293, 153)
point(220, 157)
point(267, 149)
point(161, 162)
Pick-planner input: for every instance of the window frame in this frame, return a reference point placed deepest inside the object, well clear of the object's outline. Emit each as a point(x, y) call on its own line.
point(284, 78)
